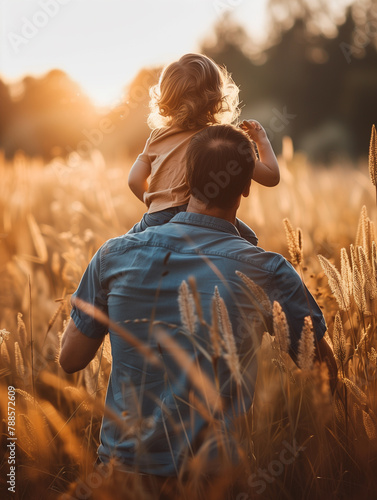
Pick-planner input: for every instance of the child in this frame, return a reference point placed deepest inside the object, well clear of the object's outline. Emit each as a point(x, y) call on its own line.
point(192, 93)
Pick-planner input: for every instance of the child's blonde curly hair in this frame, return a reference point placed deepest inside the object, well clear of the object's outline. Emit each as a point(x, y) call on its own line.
point(192, 93)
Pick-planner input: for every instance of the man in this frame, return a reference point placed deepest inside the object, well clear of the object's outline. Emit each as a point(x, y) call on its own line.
point(188, 357)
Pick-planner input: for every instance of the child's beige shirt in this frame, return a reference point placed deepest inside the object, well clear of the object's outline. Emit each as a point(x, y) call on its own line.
point(165, 152)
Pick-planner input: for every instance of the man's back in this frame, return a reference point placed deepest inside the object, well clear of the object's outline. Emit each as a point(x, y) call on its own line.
point(166, 409)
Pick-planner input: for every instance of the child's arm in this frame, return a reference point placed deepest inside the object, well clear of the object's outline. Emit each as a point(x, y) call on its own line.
point(266, 171)
point(137, 178)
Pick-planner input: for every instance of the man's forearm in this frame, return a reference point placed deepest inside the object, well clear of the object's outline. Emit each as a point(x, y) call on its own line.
point(77, 350)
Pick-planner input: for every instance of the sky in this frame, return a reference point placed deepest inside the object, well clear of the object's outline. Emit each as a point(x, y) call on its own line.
point(102, 44)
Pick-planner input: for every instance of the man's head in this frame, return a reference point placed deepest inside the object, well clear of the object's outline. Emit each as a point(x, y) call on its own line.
point(220, 163)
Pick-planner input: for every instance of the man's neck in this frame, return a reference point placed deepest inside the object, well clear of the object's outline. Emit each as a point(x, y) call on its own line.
point(197, 207)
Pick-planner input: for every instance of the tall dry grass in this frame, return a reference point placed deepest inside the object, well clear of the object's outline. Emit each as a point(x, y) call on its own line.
point(297, 441)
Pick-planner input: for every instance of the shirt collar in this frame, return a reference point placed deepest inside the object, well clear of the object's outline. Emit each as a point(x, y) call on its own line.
point(207, 221)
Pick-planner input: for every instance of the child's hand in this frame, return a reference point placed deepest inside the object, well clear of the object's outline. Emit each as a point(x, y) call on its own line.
point(266, 170)
point(254, 130)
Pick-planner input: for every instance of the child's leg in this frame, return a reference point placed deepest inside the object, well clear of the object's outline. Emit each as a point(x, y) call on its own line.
point(246, 233)
point(156, 219)
point(139, 227)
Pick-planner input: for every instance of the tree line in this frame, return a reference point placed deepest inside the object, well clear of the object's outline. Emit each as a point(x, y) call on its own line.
point(320, 90)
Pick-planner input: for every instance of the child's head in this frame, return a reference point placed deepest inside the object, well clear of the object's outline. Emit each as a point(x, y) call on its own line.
point(192, 93)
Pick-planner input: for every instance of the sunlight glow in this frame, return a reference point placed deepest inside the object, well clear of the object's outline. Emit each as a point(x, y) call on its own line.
point(102, 44)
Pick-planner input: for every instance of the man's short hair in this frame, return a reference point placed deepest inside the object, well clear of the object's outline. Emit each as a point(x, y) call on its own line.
point(220, 162)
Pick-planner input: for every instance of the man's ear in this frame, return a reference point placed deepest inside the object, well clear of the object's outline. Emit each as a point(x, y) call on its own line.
point(246, 191)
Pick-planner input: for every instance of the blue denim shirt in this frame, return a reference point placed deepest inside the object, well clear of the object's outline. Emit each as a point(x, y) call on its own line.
point(135, 279)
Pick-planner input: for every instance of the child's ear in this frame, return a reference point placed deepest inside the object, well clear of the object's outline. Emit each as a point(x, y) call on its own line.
point(246, 191)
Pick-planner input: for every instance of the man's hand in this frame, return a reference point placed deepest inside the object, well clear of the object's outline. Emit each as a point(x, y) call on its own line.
point(77, 350)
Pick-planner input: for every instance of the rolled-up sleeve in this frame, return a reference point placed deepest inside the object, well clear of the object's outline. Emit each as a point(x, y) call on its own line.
point(91, 291)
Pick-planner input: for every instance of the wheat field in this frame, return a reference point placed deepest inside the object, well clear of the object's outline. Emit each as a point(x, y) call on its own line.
point(52, 220)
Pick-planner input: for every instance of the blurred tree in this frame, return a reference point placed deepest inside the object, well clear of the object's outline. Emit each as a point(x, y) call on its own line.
point(315, 81)
point(130, 116)
point(320, 16)
point(318, 89)
point(48, 116)
point(5, 112)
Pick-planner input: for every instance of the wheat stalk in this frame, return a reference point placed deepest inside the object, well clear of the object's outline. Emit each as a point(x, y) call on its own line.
point(231, 356)
point(372, 232)
point(55, 263)
point(336, 283)
point(358, 289)
point(38, 240)
point(260, 295)
point(79, 395)
point(29, 439)
point(99, 316)
point(328, 340)
point(356, 391)
point(279, 364)
point(372, 159)
point(217, 300)
point(305, 356)
point(196, 296)
point(4, 335)
point(29, 398)
point(197, 376)
point(215, 331)
point(346, 271)
point(321, 392)
point(339, 339)
point(373, 258)
point(5, 354)
point(368, 237)
point(200, 408)
point(362, 341)
point(19, 360)
point(339, 411)
point(369, 426)
point(362, 229)
point(53, 318)
point(300, 241)
point(281, 329)
point(354, 256)
point(187, 308)
point(31, 335)
point(372, 355)
point(295, 243)
point(21, 329)
point(369, 280)
point(69, 439)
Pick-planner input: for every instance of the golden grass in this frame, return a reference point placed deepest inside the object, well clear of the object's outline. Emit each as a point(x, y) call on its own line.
point(52, 221)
